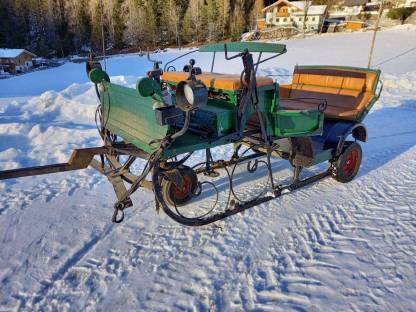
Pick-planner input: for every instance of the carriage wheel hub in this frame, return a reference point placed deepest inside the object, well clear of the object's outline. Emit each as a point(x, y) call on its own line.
point(181, 192)
point(351, 162)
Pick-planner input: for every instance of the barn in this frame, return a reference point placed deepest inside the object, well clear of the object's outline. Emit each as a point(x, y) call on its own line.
point(16, 60)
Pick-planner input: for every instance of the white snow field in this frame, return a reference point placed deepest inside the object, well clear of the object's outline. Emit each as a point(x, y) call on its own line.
point(326, 247)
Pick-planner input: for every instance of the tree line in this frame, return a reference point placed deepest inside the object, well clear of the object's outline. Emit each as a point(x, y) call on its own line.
point(61, 27)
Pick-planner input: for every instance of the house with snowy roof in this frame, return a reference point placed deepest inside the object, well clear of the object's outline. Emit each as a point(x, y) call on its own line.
point(16, 60)
point(410, 3)
point(284, 13)
point(347, 9)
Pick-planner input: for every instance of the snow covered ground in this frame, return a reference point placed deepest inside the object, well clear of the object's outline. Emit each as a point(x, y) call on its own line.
point(328, 246)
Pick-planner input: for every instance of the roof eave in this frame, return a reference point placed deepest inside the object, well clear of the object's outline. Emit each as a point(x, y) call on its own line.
point(277, 2)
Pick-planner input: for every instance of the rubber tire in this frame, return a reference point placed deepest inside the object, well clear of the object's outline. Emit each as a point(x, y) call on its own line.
point(167, 185)
point(338, 173)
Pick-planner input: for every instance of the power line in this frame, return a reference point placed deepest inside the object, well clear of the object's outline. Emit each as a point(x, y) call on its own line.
point(396, 56)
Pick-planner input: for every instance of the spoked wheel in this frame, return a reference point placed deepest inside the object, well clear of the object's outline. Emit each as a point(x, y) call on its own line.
point(179, 195)
point(348, 163)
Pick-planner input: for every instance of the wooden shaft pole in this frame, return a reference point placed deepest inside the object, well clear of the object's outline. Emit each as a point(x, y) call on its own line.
point(370, 57)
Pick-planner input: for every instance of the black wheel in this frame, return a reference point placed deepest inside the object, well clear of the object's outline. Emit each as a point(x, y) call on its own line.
point(346, 167)
point(180, 195)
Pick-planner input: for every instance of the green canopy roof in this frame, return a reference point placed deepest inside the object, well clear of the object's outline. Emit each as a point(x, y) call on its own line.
point(240, 46)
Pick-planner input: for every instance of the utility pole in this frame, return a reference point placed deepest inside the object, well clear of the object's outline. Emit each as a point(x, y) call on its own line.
point(305, 16)
point(328, 7)
point(373, 41)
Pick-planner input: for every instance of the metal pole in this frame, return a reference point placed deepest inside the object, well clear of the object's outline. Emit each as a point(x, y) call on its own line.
point(213, 62)
point(373, 41)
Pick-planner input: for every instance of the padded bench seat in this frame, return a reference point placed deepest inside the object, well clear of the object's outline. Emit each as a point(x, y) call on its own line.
point(228, 82)
point(348, 91)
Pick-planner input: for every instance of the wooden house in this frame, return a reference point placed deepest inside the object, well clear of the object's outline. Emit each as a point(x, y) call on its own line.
point(16, 60)
point(298, 14)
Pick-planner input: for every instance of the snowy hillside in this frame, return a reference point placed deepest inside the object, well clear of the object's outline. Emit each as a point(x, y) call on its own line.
point(326, 247)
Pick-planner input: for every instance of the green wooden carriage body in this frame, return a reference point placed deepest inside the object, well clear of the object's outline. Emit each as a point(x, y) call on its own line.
point(131, 116)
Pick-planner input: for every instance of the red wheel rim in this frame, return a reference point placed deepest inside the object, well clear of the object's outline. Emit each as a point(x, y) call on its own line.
point(350, 163)
point(181, 192)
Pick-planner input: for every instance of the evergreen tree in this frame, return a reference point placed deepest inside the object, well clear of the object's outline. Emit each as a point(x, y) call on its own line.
point(61, 27)
point(118, 24)
point(19, 37)
point(5, 22)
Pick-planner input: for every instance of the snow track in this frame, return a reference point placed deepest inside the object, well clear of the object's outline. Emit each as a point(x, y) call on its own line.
point(346, 252)
point(325, 247)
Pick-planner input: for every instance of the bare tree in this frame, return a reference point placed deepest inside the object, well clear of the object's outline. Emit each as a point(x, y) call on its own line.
point(308, 4)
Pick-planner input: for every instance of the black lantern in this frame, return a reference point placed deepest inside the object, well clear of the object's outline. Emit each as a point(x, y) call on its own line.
point(191, 94)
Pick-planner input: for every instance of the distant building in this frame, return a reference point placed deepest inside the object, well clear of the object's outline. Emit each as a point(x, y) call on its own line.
point(16, 60)
point(347, 9)
point(284, 13)
point(354, 25)
point(372, 7)
point(410, 3)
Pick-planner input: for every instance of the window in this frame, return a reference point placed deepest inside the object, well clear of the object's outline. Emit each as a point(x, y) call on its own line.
point(300, 19)
point(278, 20)
point(313, 19)
point(285, 19)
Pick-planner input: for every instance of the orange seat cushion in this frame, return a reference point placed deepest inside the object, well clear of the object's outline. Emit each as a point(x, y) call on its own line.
point(213, 80)
point(348, 92)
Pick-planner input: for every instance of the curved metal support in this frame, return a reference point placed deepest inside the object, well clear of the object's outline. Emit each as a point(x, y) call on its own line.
point(156, 63)
point(177, 58)
point(228, 58)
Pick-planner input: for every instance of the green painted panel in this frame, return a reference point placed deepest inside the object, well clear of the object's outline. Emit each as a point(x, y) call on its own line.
point(241, 46)
point(131, 116)
point(291, 123)
point(191, 142)
point(225, 115)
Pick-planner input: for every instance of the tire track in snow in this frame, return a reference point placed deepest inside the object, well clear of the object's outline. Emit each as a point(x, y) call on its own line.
point(45, 188)
point(235, 267)
point(37, 300)
point(167, 242)
point(353, 250)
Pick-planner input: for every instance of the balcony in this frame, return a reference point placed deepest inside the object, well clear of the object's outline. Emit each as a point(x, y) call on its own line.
point(282, 14)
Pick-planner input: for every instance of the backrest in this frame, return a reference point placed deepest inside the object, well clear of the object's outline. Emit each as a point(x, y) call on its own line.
point(228, 82)
point(337, 77)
